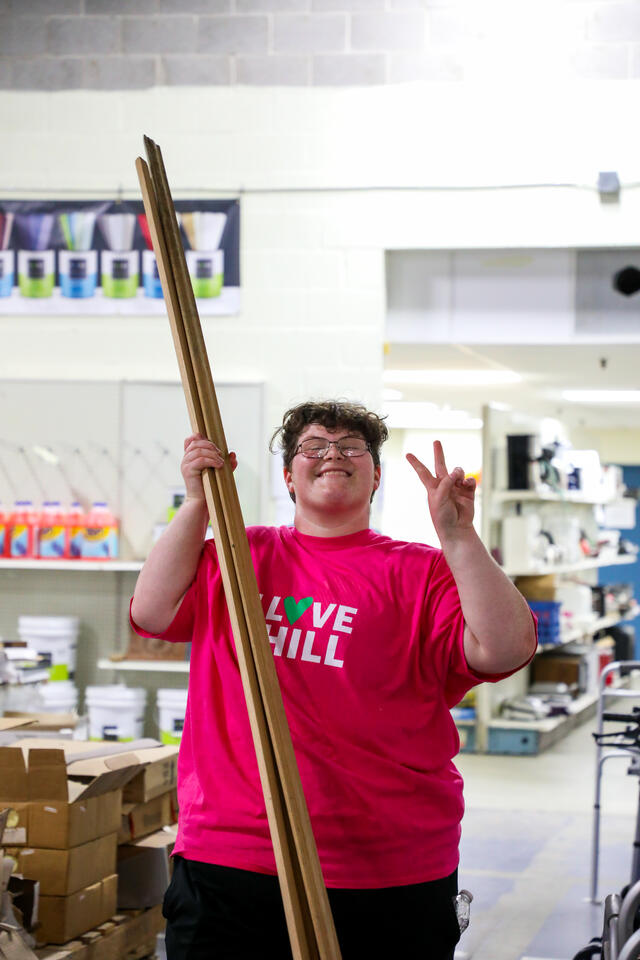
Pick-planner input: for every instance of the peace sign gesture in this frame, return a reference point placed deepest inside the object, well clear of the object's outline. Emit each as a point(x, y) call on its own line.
point(450, 495)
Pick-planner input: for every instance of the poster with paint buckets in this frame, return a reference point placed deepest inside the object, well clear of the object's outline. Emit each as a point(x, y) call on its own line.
point(96, 257)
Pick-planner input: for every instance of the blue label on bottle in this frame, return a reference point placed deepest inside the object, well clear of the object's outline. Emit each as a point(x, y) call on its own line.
point(19, 546)
point(51, 542)
point(100, 542)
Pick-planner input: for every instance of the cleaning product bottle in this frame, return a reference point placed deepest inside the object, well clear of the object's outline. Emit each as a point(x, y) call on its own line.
point(4, 535)
point(76, 524)
point(101, 533)
point(52, 529)
point(23, 530)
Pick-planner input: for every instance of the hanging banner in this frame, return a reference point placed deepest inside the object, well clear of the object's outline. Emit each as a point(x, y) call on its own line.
point(96, 257)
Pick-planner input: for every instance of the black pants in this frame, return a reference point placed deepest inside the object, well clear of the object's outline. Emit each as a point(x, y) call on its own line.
point(219, 913)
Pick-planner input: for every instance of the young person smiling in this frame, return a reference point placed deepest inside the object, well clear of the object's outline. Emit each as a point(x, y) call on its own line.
point(374, 641)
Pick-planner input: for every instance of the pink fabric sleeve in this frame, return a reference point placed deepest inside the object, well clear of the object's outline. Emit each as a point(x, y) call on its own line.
point(181, 627)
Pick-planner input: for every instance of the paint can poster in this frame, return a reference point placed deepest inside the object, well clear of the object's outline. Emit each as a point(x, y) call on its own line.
point(96, 257)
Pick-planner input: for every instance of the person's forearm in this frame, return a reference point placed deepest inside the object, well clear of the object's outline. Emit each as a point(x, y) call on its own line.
point(495, 612)
point(170, 568)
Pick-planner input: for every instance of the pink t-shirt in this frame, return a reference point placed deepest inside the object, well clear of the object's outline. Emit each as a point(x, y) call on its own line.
point(367, 635)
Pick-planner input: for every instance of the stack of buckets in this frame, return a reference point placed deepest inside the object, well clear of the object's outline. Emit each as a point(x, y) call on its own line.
point(55, 639)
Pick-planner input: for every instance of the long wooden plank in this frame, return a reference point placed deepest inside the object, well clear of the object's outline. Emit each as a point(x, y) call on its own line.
point(289, 869)
point(299, 822)
point(265, 667)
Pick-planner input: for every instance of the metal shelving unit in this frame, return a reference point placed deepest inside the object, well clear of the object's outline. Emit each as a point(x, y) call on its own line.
point(538, 734)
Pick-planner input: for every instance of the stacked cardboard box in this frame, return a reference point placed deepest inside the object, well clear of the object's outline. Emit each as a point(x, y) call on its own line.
point(146, 839)
point(65, 816)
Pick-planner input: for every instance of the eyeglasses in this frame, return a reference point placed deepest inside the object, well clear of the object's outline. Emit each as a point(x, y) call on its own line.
point(315, 448)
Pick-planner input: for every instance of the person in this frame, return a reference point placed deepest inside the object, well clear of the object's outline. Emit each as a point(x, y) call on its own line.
point(374, 641)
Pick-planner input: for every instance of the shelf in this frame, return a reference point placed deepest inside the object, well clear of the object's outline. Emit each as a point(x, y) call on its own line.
point(532, 496)
point(587, 564)
point(537, 735)
point(576, 633)
point(158, 666)
point(113, 566)
point(548, 724)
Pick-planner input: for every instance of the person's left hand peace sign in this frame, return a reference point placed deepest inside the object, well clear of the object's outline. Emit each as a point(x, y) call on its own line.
point(450, 495)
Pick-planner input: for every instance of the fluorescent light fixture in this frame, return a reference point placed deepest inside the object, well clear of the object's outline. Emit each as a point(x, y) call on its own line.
point(453, 378)
point(428, 416)
point(602, 396)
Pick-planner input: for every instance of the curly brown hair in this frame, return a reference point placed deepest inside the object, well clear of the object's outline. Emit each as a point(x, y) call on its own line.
point(330, 414)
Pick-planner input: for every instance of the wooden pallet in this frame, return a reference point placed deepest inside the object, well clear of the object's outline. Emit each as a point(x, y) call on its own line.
point(129, 935)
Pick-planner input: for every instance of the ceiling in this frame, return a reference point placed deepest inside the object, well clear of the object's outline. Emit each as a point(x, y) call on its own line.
point(546, 372)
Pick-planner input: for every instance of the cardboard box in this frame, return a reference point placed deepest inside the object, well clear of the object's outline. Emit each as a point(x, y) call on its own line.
point(537, 588)
point(44, 721)
point(108, 813)
point(14, 723)
point(144, 870)
point(31, 772)
point(140, 819)
point(145, 767)
point(16, 830)
point(59, 825)
point(158, 775)
point(556, 668)
point(62, 872)
point(64, 918)
point(50, 810)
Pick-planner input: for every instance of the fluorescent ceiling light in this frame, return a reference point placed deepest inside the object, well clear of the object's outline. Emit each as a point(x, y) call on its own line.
point(602, 396)
point(452, 378)
point(428, 416)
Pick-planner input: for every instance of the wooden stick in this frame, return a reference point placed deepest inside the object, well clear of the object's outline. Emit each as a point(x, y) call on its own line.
point(266, 762)
point(307, 909)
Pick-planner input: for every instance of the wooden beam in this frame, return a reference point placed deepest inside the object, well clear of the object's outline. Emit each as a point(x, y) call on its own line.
point(307, 910)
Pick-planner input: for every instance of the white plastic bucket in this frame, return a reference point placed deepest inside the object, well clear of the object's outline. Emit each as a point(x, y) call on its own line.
point(116, 712)
point(48, 625)
point(172, 706)
point(59, 697)
point(55, 639)
point(58, 653)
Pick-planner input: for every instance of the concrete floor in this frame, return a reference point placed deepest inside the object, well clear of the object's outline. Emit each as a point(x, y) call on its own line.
point(526, 849)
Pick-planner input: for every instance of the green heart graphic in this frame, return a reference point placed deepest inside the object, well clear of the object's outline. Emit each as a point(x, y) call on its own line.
point(295, 610)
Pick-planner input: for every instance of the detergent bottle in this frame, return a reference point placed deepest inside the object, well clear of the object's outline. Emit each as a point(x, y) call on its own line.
point(22, 530)
point(76, 525)
point(4, 535)
point(52, 531)
point(101, 533)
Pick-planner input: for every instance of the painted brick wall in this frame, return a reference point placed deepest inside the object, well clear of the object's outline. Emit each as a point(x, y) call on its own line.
point(135, 44)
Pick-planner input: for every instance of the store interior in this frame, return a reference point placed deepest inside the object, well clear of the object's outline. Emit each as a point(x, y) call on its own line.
point(416, 216)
